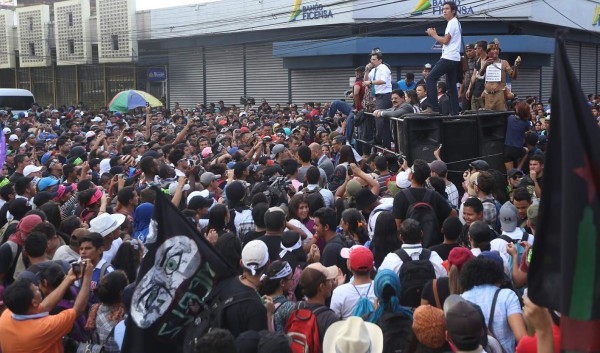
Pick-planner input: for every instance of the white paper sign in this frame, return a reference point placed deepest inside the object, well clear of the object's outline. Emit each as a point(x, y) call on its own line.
point(493, 74)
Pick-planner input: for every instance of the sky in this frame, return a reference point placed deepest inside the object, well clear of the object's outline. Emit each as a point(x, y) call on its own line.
point(155, 4)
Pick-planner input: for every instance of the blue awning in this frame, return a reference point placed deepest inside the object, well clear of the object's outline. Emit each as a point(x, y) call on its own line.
point(404, 45)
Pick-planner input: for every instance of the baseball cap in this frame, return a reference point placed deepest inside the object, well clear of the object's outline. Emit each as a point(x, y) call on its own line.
point(46, 182)
point(402, 180)
point(459, 256)
point(513, 172)
point(277, 150)
point(469, 46)
point(13, 138)
point(30, 169)
point(330, 272)
point(361, 258)
point(6, 131)
point(427, 66)
point(207, 177)
point(198, 202)
point(508, 217)
point(90, 134)
point(173, 188)
point(255, 255)
point(438, 167)
point(96, 119)
point(480, 165)
point(464, 323)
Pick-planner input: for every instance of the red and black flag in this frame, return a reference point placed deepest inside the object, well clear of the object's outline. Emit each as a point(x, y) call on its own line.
point(565, 268)
point(178, 271)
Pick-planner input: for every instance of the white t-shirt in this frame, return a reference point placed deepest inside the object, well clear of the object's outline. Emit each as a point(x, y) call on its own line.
point(451, 51)
point(381, 72)
point(300, 225)
point(345, 297)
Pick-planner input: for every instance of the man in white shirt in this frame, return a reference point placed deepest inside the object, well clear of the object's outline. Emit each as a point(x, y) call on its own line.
point(411, 236)
point(379, 78)
point(450, 61)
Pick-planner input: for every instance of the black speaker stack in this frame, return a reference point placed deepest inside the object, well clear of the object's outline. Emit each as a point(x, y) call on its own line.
point(464, 138)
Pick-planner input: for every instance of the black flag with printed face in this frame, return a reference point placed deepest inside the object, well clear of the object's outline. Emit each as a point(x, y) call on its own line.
point(178, 271)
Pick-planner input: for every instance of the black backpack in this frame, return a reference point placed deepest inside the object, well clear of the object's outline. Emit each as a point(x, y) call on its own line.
point(397, 331)
point(423, 212)
point(414, 274)
point(211, 317)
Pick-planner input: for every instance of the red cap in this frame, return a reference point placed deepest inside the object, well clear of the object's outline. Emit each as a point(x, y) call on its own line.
point(458, 256)
point(361, 259)
point(244, 130)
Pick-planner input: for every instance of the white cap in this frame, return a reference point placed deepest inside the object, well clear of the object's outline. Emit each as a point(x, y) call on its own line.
point(30, 169)
point(90, 134)
point(173, 188)
point(96, 119)
point(6, 131)
point(13, 138)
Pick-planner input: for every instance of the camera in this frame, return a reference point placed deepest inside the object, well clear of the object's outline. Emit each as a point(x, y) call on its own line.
point(245, 100)
point(267, 139)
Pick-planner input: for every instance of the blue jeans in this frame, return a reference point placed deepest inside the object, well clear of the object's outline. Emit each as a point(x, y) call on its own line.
point(450, 69)
point(345, 109)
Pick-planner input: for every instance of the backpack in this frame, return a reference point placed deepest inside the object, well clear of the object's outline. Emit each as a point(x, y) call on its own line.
point(211, 317)
point(397, 331)
point(497, 226)
point(414, 274)
point(363, 305)
point(316, 191)
point(423, 212)
point(303, 330)
point(3, 231)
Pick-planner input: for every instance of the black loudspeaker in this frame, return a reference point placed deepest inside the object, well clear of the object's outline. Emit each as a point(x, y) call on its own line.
point(492, 130)
point(460, 146)
point(465, 138)
point(418, 137)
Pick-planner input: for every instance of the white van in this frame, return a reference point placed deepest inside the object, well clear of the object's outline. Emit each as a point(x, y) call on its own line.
point(17, 100)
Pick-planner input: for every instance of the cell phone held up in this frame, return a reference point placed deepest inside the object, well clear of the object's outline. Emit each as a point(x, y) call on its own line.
point(76, 267)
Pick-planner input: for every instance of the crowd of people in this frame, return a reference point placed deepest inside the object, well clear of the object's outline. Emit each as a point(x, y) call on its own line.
point(337, 246)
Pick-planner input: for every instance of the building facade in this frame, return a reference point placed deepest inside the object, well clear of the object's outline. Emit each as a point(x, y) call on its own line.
point(298, 51)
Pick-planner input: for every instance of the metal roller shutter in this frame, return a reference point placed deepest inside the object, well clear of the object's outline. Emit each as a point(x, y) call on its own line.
point(320, 85)
point(265, 76)
point(185, 77)
point(574, 57)
point(547, 81)
point(225, 74)
point(588, 68)
point(527, 82)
